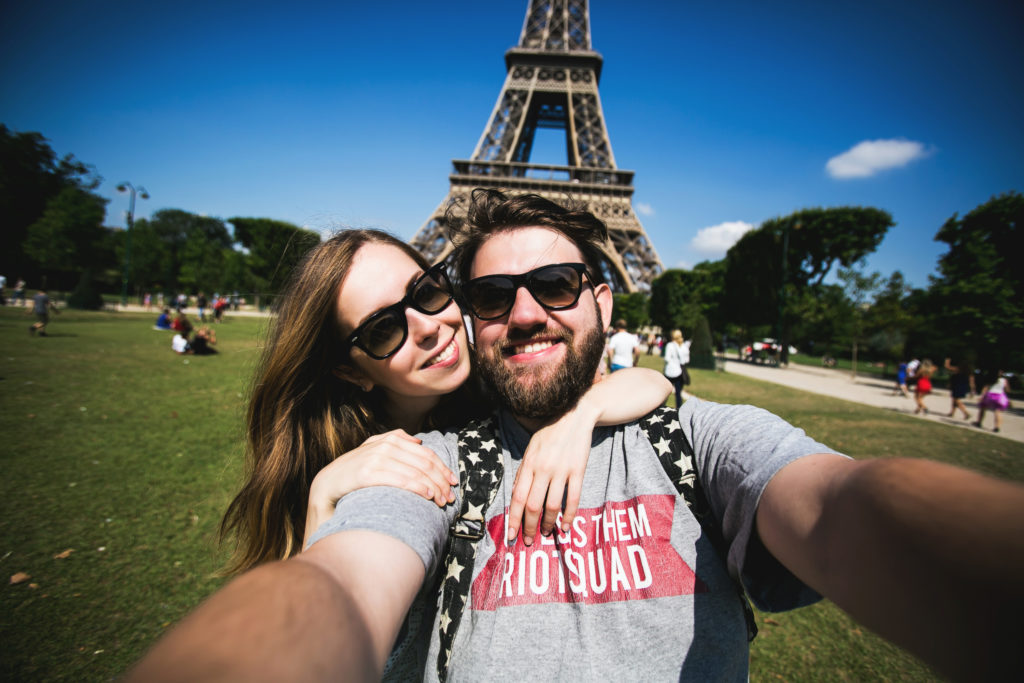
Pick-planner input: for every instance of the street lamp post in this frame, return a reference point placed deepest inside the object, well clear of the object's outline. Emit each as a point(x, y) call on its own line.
point(128, 187)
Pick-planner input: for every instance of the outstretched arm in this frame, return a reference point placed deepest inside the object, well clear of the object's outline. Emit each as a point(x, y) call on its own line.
point(331, 613)
point(555, 460)
point(390, 459)
point(927, 555)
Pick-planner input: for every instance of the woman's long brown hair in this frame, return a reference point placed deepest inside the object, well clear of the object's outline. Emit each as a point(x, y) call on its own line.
point(301, 416)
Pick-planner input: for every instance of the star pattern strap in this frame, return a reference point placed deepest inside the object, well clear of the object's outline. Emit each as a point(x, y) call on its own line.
point(480, 471)
point(676, 455)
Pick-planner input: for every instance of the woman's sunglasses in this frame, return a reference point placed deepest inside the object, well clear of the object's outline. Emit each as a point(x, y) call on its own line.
point(554, 287)
point(384, 332)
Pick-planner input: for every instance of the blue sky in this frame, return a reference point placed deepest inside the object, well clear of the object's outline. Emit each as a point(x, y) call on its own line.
point(342, 114)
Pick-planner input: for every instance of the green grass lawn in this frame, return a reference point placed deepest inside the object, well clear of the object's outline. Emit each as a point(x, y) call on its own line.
point(116, 449)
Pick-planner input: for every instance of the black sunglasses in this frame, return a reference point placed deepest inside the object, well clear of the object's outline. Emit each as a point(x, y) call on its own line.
point(384, 332)
point(555, 287)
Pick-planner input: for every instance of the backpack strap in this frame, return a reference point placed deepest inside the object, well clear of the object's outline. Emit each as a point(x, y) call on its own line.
point(480, 472)
point(676, 455)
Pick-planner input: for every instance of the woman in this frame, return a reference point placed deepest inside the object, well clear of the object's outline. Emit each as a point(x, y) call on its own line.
point(368, 348)
point(924, 385)
point(677, 357)
point(994, 397)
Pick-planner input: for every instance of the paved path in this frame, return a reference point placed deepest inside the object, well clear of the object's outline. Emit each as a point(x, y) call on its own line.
point(877, 392)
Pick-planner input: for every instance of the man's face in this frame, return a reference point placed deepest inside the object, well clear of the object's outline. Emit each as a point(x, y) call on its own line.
point(539, 362)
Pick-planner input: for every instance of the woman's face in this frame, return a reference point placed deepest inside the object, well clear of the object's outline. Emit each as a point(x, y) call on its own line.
point(433, 360)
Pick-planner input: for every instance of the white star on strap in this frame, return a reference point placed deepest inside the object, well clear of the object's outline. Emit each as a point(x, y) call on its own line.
point(445, 620)
point(454, 570)
point(474, 513)
point(663, 446)
point(487, 445)
point(471, 432)
point(674, 426)
point(474, 458)
point(684, 463)
point(655, 419)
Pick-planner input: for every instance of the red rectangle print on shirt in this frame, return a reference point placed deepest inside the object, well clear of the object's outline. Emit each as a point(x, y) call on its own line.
point(621, 551)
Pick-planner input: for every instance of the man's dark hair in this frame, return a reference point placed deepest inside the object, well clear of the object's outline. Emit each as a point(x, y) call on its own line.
point(491, 211)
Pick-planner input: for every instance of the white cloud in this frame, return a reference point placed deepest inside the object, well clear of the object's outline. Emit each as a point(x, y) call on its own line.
point(716, 240)
point(867, 158)
point(644, 209)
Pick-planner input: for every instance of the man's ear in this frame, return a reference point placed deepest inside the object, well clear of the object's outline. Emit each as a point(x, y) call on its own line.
point(605, 303)
point(353, 375)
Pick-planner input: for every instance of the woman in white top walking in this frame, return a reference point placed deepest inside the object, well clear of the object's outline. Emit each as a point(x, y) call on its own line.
point(677, 357)
point(994, 398)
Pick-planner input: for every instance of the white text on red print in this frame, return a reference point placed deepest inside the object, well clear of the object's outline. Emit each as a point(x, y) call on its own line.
point(621, 551)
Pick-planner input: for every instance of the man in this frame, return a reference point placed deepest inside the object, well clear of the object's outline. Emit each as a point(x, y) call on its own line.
point(41, 306)
point(623, 348)
point(928, 555)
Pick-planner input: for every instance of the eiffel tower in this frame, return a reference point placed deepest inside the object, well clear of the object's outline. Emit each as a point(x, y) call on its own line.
point(552, 83)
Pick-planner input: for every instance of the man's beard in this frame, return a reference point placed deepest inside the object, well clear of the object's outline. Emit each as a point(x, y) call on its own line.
point(525, 396)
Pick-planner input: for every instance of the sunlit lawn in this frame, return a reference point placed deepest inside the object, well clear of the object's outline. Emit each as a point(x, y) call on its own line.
point(116, 449)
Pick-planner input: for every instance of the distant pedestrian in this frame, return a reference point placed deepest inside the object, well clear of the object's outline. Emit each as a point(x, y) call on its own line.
point(147, 301)
point(41, 307)
point(677, 357)
point(901, 380)
point(19, 292)
point(623, 347)
point(961, 383)
point(994, 397)
point(3, 290)
point(201, 305)
point(924, 385)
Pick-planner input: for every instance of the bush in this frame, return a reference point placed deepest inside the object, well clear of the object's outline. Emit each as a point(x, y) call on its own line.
point(702, 354)
point(86, 295)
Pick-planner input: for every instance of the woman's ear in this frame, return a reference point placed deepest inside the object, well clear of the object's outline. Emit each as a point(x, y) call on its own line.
point(353, 376)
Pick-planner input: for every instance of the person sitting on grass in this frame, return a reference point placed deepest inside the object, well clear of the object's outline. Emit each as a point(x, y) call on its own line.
point(180, 344)
point(181, 324)
point(203, 342)
point(163, 322)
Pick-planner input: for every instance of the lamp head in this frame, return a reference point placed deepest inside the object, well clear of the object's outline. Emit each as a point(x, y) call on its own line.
point(143, 194)
point(122, 188)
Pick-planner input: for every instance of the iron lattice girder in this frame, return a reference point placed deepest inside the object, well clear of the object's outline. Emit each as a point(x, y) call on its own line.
point(552, 81)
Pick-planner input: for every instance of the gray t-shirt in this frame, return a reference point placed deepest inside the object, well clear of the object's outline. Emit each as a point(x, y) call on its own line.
point(635, 590)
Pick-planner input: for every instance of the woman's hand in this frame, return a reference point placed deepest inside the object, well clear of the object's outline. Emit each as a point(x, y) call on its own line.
point(552, 468)
point(390, 459)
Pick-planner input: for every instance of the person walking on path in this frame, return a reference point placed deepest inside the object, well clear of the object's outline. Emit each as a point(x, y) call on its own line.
point(623, 347)
point(677, 357)
point(924, 385)
point(41, 306)
point(961, 383)
point(994, 397)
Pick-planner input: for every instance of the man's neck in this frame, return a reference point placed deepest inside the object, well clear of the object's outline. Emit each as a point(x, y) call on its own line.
point(532, 424)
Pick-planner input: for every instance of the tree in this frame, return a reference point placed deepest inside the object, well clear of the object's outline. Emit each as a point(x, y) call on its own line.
point(679, 298)
point(275, 247)
point(632, 308)
point(69, 239)
point(180, 249)
point(889, 321)
point(979, 294)
point(774, 265)
point(31, 175)
point(858, 287)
